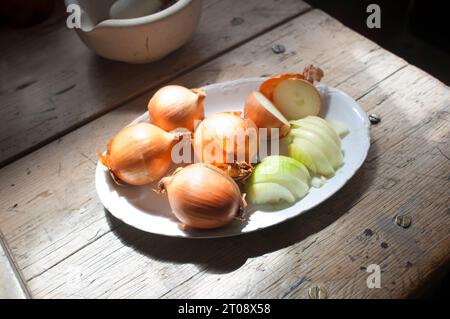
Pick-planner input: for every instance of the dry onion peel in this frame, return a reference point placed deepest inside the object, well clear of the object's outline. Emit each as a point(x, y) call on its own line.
point(312, 73)
point(237, 171)
point(228, 141)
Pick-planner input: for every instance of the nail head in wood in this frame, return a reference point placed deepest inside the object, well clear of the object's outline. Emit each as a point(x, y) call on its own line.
point(278, 48)
point(403, 220)
point(237, 21)
point(374, 118)
point(317, 292)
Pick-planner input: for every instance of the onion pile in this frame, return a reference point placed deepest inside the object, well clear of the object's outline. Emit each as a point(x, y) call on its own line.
point(202, 196)
point(139, 154)
point(205, 195)
point(173, 107)
point(227, 141)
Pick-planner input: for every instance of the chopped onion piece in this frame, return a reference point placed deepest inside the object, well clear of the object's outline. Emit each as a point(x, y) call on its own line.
point(269, 193)
point(318, 181)
point(340, 128)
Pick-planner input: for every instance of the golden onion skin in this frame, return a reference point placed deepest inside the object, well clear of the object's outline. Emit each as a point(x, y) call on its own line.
point(141, 153)
point(202, 196)
point(219, 130)
point(175, 106)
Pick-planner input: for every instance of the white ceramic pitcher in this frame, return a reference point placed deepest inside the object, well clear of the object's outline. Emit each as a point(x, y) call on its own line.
point(148, 37)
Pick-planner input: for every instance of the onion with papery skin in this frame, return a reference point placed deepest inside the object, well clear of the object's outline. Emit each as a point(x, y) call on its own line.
point(227, 141)
point(264, 114)
point(139, 154)
point(202, 196)
point(174, 106)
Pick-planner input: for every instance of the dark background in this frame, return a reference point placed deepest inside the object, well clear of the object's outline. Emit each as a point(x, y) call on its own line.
point(416, 30)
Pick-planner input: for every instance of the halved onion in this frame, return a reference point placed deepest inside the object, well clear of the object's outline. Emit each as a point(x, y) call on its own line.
point(265, 115)
point(296, 99)
point(310, 73)
point(269, 85)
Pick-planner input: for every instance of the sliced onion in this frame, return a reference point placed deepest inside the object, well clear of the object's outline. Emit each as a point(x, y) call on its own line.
point(339, 127)
point(290, 176)
point(269, 193)
point(265, 115)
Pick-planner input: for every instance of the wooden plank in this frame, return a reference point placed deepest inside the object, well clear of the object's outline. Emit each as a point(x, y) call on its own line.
point(55, 195)
point(331, 246)
point(397, 182)
point(28, 230)
point(62, 84)
point(10, 282)
point(148, 264)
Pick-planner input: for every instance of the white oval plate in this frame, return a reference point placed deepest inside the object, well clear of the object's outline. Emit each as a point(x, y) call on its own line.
point(142, 208)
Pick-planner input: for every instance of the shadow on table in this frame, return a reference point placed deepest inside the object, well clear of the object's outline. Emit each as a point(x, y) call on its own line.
point(222, 255)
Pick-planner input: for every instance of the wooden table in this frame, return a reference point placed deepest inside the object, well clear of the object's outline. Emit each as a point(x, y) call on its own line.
point(60, 103)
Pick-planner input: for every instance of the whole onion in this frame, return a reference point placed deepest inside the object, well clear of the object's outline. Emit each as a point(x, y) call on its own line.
point(139, 154)
point(202, 196)
point(175, 106)
point(228, 141)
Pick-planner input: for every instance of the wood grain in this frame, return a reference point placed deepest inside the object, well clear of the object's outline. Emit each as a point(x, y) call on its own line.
point(332, 245)
point(337, 256)
point(10, 281)
point(66, 247)
point(64, 84)
point(64, 180)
